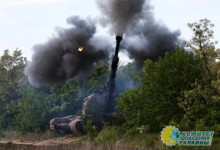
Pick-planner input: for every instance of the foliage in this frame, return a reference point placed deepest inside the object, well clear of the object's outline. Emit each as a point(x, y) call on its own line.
point(202, 104)
point(90, 129)
point(39, 105)
point(33, 113)
point(11, 77)
point(126, 77)
point(30, 109)
point(108, 136)
point(154, 102)
point(181, 89)
point(202, 34)
point(117, 136)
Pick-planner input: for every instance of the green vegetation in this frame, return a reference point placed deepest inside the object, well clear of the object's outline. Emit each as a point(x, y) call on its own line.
point(30, 136)
point(116, 136)
point(155, 102)
point(181, 89)
point(29, 109)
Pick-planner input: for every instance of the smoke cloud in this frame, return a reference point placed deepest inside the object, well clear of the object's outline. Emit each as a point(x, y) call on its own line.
point(150, 40)
point(144, 37)
point(121, 14)
point(59, 58)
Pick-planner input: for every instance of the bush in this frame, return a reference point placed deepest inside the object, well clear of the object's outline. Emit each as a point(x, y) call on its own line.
point(90, 129)
point(155, 101)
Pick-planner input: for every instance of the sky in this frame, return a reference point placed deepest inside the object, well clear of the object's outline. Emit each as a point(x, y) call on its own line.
point(25, 23)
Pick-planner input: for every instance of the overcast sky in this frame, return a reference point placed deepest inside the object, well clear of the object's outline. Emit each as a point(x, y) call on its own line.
point(24, 23)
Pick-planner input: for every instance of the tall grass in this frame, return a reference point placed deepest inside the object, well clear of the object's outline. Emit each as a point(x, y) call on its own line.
point(115, 136)
point(15, 135)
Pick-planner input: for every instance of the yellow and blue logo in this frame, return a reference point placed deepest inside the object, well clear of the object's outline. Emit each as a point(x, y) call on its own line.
point(170, 135)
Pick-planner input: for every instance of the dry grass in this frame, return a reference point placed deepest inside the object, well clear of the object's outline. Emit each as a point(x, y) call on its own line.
point(74, 146)
point(108, 139)
point(14, 135)
point(79, 145)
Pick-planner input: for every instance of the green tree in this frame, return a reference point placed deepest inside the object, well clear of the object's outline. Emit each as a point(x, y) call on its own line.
point(11, 77)
point(203, 45)
point(33, 113)
point(126, 77)
point(155, 102)
point(100, 77)
point(39, 105)
point(201, 104)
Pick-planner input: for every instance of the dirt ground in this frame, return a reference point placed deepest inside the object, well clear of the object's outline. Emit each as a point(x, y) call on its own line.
point(47, 144)
point(61, 143)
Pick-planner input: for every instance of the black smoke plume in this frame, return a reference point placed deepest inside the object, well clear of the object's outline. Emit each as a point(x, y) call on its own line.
point(150, 40)
point(144, 37)
point(121, 14)
point(59, 58)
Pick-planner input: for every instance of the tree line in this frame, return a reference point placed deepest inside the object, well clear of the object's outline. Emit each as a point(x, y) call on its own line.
point(181, 89)
point(29, 109)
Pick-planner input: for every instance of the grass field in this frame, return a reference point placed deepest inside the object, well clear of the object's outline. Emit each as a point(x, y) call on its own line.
point(110, 138)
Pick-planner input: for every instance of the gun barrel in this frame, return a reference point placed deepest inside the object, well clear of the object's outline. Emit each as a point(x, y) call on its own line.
point(111, 84)
point(118, 40)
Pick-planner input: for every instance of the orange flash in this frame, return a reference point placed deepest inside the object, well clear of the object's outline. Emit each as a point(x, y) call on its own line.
point(81, 48)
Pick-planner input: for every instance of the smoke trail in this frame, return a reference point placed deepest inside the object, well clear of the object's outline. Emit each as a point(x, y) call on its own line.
point(144, 37)
point(59, 59)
